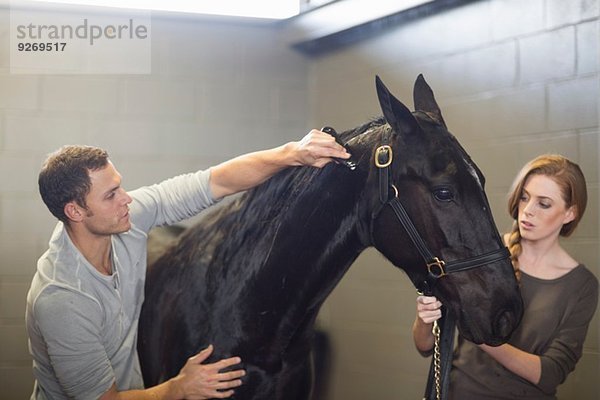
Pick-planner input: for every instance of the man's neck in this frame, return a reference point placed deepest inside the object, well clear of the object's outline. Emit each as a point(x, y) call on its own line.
point(95, 248)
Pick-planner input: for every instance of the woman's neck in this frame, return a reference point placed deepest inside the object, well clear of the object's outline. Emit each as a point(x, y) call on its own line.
point(545, 260)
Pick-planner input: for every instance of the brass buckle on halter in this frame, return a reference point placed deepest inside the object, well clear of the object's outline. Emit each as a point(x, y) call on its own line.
point(436, 268)
point(383, 156)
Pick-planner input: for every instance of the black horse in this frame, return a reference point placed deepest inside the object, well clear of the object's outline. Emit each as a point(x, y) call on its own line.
point(251, 277)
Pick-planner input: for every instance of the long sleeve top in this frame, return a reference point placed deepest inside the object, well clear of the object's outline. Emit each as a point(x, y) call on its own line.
point(556, 317)
point(82, 325)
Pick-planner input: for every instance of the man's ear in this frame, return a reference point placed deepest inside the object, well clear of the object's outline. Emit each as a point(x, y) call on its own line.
point(74, 211)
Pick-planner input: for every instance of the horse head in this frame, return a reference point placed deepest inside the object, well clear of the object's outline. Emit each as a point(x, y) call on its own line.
point(427, 194)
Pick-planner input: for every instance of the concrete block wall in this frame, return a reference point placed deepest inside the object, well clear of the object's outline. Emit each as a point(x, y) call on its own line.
point(514, 79)
point(218, 88)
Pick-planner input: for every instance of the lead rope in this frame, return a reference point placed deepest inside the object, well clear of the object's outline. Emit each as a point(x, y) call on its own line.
point(437, 360)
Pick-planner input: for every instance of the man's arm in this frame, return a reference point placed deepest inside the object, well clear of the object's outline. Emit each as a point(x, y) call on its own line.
point(244, 172)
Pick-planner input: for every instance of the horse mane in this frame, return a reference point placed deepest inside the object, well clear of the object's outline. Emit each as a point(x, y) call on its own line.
point(257, 213)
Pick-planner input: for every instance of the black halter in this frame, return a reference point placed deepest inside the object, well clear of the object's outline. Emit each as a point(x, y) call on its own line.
point(436, 267)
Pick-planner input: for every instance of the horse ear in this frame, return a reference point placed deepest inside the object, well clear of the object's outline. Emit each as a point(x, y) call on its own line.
point(396, 114)
point(425, 100)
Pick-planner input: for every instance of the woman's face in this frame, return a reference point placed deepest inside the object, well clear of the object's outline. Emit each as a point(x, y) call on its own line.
point(542, 209)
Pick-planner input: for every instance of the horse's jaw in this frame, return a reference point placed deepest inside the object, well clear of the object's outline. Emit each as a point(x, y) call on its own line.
point(503, 314)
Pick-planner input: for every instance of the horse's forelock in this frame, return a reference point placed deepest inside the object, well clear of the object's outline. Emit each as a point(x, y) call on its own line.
point(471, 166)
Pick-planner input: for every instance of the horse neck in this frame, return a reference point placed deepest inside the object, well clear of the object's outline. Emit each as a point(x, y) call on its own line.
point(317, 240)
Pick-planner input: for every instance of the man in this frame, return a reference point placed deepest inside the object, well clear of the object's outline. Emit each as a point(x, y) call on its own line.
point(85, 298)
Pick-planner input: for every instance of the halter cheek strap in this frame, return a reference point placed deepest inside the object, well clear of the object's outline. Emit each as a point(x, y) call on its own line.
point(436, 268)
point(383, 159)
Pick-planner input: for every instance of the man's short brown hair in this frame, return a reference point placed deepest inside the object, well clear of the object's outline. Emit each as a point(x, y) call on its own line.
point(64, 176)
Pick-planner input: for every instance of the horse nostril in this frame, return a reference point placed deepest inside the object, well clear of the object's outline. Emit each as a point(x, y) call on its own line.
point(504, 325)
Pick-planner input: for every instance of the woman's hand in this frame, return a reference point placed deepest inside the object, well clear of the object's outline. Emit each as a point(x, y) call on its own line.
point(428, 309)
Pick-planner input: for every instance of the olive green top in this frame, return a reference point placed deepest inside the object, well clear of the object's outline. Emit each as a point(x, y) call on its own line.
point(556, 317)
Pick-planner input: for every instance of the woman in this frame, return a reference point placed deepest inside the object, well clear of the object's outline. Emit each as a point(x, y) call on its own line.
point(560, 295)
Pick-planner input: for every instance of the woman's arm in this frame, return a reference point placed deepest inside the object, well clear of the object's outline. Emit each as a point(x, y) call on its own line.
point(526, 365)
point(428, 310)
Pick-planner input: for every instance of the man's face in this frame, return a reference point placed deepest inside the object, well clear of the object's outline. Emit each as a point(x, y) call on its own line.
point(107, 203)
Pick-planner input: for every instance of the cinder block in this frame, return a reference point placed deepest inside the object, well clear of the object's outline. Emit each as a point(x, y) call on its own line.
point(573, 104)
point(25, 214)
point(371, 265)
point(580, 384)
point(12, 300)
point(549, 55)
point(288, 103)
point(365, 302)
point(129, 137)
point(157, 99)
point(237, 102)
point(4, 39)
point(16, 380)
point(480, 70)
point(22, 176)
point(509, 114)
point(41, 135)
point(514, 18)
point(498, 161)
point(472, 31)
point(588, 47)
point(14, 347)
point(588, 227)
point(586, 250)
point(566, 143)
point(366, 384)
point(140, 171)
point(561, 12)
point(20, 253)
point(331, 109)
point(70, 95)
point(589, 160)
point(19, 92)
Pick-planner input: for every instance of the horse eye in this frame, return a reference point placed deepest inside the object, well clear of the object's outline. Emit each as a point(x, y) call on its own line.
point(443, 194)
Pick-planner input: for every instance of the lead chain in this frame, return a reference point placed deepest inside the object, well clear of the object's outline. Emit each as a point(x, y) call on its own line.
point(437, 363)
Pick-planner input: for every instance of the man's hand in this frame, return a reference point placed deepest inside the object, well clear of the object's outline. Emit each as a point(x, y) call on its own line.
point(205, 381)
point(249, 170)
point(317, 148)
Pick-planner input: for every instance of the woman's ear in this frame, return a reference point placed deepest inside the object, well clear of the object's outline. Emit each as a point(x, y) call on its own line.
point(73, 211)
point(570, 215)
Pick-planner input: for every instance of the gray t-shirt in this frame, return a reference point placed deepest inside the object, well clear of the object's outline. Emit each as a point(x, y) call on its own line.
point(82, 325)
